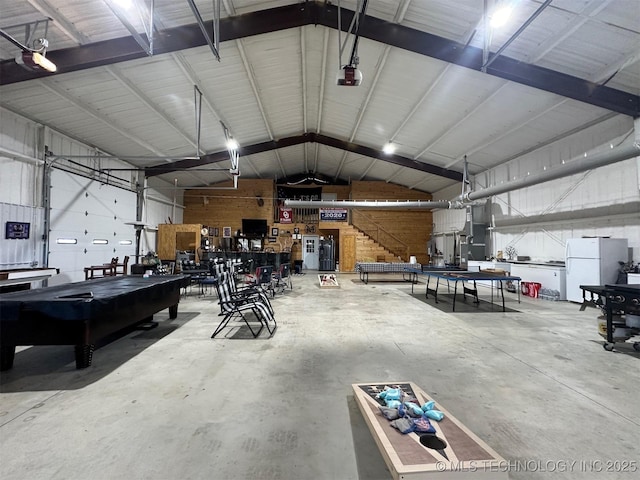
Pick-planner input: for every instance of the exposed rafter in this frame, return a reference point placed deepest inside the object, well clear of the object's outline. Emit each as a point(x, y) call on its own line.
point(298, 140)
point(142, 98)
point(462, 119)
point(325, 14)
point(61, 22)
point(96, 114)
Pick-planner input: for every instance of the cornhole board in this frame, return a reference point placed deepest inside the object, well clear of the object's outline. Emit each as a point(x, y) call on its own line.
point(328, 280)
point(465, 457)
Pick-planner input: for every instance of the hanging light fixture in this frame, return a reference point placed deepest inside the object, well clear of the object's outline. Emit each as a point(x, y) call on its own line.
point(388, 148)
point(32, 58)
point(232, 144)
point(36, 61)
point(349, 74)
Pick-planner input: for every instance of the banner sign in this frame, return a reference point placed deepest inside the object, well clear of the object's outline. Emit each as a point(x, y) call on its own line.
point(299, 193)
point(286, 215)
point(333, 214)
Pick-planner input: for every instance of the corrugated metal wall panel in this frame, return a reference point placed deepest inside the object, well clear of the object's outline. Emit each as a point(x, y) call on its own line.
point(21, 253)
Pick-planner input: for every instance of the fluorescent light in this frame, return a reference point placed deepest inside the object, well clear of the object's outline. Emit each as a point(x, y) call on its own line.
point(500, 17)
point(125, 242)
point(232, 144)
point(100, 241)
point(66, 241)
point(389, 148)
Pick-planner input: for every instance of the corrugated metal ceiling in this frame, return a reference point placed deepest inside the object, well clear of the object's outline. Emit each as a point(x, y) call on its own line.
point(283, 84)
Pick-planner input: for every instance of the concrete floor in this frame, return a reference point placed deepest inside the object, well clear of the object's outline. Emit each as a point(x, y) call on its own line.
point(171, 403)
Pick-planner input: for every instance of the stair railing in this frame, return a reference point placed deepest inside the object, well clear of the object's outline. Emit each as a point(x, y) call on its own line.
point(377, 232)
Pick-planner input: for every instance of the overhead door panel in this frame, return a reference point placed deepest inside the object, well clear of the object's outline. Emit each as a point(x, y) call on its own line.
point(94, 216)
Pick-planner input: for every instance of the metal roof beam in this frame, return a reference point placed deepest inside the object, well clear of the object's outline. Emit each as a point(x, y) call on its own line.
point(308, 137)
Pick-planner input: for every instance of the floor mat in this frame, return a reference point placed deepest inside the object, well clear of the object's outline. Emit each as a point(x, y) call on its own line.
point(445, 303)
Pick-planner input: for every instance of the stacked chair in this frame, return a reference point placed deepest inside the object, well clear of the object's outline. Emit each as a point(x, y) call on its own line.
point(251, 305)
point(211, 279)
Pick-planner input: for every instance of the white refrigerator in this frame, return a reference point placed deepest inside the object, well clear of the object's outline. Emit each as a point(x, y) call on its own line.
point(593, 261)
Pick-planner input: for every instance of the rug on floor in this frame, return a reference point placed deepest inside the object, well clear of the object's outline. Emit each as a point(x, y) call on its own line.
point(445, 302)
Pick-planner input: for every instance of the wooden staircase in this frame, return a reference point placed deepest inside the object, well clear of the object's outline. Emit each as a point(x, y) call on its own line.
point(367, 249)
point(392, 247)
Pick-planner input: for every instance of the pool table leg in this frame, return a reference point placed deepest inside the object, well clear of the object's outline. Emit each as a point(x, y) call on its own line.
point(84, 354)
point(7, 354)
point(173, 311)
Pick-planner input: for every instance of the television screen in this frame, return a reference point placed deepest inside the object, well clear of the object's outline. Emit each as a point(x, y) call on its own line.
point(20, 230)
point(252, 226)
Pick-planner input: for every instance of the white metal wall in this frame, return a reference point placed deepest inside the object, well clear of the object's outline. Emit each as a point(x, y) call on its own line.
point(20, 189)
point(82, 199)
point(21, 253)
point(598, 189)
point(18, 137)
point(447, 221)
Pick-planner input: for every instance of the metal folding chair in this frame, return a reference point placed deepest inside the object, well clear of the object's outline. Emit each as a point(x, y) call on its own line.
point(240, 307)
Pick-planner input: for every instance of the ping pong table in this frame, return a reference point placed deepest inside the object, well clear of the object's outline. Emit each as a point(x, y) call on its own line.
point(413, 271)
point(467, 277)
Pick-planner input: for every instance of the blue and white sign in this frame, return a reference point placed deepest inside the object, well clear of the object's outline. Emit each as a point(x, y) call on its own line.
point(333, 214)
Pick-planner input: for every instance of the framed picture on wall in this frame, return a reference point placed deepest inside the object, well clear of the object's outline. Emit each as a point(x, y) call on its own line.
point(216, 232)
point(226, 232)
point(274, 232)
point(296, 230)
point(273, 239)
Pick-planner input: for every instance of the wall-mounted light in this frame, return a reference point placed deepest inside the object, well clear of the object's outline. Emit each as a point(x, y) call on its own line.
point(66, 241)
point(388, 148)
point(100, 241)
point(125, 242)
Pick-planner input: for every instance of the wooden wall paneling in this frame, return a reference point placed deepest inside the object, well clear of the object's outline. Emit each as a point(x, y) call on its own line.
point(347, 253)
point(226, 208)
point(361, 190)
point(167, 239)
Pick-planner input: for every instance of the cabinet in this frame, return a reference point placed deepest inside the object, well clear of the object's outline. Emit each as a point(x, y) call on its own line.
point(552, 277)
point(474, 265)
point(180, 236)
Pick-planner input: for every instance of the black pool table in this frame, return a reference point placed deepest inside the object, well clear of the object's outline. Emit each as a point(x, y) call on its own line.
point(82, 313)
